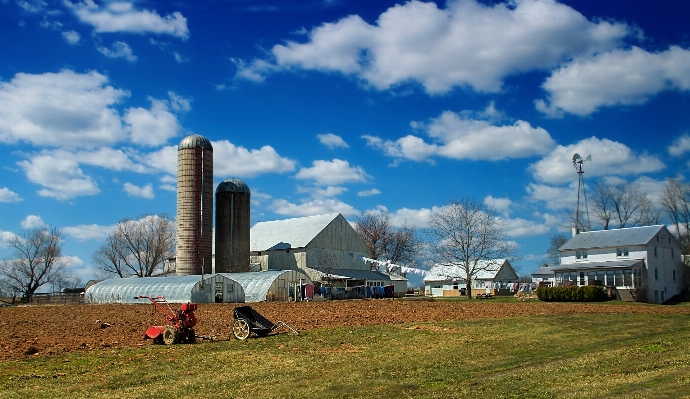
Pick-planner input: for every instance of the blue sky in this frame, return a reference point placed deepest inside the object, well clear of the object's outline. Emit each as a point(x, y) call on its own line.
point(336, 106)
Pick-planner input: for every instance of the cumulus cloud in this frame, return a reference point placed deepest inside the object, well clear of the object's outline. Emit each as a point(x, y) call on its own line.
point(65, 109)
point(523, 228)
point(108, 158)
point(555, 198)
point(232, 160)
point(33, 222)
point(136, 191)
point(61, 178)
point(369, 193)
point(7, 195)
point(71, 37)
point(154, 126)
point(620, 77)
point(311, 208)
point(121, 16)
point(680, 146)
point(501, 205)
point(5, 238)
point(336, 171)
point(118, 50)
point(458, 136)
point(610, 158)
point(85, 232)
point(466, 44)
point(331, 140)
point(320, 193)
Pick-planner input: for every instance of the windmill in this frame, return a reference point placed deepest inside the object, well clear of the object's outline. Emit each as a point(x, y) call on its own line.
point(577, 163)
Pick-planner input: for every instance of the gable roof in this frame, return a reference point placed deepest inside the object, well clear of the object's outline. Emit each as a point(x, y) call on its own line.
point(441, 272)
point(288, 233)
point(614, 238)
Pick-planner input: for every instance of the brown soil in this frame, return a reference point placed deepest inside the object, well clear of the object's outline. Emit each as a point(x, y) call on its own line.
point(45, 330)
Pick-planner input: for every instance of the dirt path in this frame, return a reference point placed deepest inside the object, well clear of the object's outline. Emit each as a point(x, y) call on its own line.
point(44, 330)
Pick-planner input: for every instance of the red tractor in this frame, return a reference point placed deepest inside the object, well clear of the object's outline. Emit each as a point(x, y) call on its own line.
point(178, 326)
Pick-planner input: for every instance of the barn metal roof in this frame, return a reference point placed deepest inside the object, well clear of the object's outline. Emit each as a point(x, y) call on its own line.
point(359, 274)
point(614, 238)
point(288, 233)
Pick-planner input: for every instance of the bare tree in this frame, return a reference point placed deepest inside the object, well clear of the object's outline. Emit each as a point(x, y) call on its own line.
point(557, 241)
point(623, 204)
point(675, 200)
point(137, 247)
point(327, 265)
point(468, 235)
point(37, 261)
point(397, 245)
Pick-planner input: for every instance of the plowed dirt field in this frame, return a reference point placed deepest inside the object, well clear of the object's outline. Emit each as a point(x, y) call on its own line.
point(44, 330)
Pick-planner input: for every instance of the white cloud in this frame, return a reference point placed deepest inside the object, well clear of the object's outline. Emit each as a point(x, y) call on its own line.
point(608, 158)
point(71, 37)
point(254, 71)
point(165, 159)
point(85, 232)
point(179, 103)
point(7, 195)
point(680, 146)
point(336, 171)
point(523, 228)
point(104, 157)
point(457, 136)
point(620, 77)
point(5, 238)
point(120, 16)
point(321, 193)
point(311, 208)
point(331, 140)
point(555, 198)
point(136, 191)
point(153, 126)
point(61, 177)
point(231, 160)
point(119, 50)
point(369, 193)
point(466, 44)
point(65, 109)
point(501, 205)
point(412, 217)
point(33, 222)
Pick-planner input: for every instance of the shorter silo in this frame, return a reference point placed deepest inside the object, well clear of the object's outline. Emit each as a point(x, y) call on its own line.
point(232, 226)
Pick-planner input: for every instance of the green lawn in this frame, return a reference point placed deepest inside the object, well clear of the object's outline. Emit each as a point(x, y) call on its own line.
point(590, 356)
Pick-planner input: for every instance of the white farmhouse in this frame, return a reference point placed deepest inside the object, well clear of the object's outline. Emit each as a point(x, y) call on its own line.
point(495, 275)
point(641, 263)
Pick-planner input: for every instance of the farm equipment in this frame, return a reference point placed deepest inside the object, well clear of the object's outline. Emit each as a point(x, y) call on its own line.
point(178, 326)
point(248, 321)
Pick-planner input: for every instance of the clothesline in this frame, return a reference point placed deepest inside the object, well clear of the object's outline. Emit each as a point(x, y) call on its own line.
point(391, 267)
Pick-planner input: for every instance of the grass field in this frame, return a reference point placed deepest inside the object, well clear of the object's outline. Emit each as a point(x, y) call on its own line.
point(567, 356)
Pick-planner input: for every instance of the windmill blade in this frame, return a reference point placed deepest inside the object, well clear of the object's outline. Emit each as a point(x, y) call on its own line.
point(589, 157)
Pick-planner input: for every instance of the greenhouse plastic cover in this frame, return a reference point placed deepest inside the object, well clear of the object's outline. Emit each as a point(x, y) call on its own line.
point(176, 289)
point(255, 284)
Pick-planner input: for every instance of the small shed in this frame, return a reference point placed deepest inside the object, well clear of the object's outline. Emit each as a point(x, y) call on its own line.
point(176, 289)
point(495, 275)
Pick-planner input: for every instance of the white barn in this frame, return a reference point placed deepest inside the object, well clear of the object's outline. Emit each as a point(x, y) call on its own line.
point(450, 280)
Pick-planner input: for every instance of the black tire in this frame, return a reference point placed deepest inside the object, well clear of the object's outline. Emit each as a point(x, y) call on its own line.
point(191, 337)
point(171, 336)
point(240, 329)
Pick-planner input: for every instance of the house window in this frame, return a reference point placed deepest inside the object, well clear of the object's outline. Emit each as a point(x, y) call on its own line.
point(622, 252)
point(656, 274)
point(581, 254)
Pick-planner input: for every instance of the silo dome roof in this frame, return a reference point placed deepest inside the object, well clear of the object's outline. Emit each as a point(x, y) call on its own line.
point(233, 186)
point(195, 141)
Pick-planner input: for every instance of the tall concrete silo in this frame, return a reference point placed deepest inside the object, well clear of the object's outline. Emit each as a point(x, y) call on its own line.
point(194, 205)
point(232, 226)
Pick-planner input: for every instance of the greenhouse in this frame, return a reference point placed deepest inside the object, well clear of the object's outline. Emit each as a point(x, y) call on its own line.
point(269, 285)
point(176, 289)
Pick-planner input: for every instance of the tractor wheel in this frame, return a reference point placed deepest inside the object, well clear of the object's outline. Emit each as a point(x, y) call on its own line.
point(158, 340)
point(170, 336)
point(190, 338)
point(240, 329)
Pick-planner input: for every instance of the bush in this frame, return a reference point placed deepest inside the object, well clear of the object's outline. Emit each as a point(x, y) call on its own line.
point(590, 293)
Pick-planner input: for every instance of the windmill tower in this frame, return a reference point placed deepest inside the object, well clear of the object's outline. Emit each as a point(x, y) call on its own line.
point(577, 163)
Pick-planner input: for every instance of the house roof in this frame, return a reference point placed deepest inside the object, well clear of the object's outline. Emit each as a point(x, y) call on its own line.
point(288, 233)
point(613, 238)
point(448, 272)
